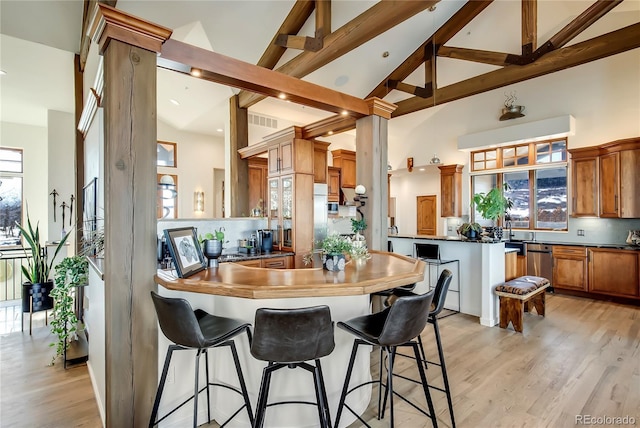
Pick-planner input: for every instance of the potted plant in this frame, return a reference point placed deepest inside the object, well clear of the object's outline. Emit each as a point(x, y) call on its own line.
point(358, 226)
point(493, 205)
point(71, 272)
point(334, 247)
point(470, 230)
point(37, 270)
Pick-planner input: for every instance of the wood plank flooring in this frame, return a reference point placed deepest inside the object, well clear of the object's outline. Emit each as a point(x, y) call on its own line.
point(583, 358)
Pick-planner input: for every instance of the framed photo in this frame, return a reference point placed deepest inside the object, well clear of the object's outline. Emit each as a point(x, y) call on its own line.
point(185, 251)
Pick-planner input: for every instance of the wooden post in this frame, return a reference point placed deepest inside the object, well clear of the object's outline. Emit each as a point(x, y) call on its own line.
point(129, 46)
point(371, 169)
point(237, 176)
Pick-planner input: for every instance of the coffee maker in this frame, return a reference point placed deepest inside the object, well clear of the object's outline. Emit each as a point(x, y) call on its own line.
point(265, 240)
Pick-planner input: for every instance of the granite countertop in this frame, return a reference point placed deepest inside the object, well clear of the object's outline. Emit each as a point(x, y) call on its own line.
point(441, 238)
point(240, 257)
point(622, 246)
point(510, 250)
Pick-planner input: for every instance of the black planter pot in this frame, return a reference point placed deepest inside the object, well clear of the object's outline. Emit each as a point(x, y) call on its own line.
point(40, 292)
point(472, 234)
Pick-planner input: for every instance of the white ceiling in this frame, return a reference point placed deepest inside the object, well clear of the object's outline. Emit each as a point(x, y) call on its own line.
point(38, 77)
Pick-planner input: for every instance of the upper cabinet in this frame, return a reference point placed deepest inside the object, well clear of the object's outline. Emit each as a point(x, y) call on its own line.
point(450, 190)
point(346, 161)
point(258, 173)
point(584, 180)
point(605, 180)
point(320, 162)
point(334, 184)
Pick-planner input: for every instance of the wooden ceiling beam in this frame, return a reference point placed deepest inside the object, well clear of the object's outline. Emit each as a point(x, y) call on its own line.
point(329, 126)
point(486, 57)
point(418, 91)
point(575, 27)
point(371, 23)
point(529, 26)
point(306, 43)
point(603, 46)
point(292, 24)
point(182, 57)
point(462, 17)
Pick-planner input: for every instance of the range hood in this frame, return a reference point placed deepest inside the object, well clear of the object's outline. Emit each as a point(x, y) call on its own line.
point(349, 195)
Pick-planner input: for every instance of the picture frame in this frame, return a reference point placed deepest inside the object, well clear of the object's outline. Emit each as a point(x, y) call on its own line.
point(185, 251)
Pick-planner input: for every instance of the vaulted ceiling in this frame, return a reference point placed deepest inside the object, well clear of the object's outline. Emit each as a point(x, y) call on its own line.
point(415, 54)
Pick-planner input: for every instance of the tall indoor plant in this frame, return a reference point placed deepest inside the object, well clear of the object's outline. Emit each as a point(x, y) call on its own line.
point(71, 272)
point(37, 270)
point(493, 205)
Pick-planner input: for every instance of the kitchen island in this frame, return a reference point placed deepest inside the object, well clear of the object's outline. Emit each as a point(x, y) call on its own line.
point(236, 291)
point(482, 267)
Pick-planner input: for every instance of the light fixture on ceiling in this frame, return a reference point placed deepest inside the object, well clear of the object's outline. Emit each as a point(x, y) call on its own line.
point(174, 102)
point(435, 160)
point(510, 110)
point(2, 72)
point(344, 112)
point(282, 96)
point(196, 72)
point(219, 129)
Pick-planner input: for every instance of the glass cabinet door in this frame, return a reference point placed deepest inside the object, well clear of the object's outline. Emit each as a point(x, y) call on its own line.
point(287, 211)
point(274, 212)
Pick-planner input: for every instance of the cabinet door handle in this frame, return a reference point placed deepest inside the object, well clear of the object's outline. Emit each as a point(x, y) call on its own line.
point(573, 203)
point(615, 202)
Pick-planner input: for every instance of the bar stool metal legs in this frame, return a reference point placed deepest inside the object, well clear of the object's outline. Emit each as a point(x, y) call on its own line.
point(397, 326)
point(198, 331)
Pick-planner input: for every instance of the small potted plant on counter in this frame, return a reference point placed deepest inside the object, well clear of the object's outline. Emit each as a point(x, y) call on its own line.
point(358, 226)
point(470, 230)
point(334, 247)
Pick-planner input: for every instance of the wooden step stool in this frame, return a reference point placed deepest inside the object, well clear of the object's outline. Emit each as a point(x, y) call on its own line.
point(517, 296)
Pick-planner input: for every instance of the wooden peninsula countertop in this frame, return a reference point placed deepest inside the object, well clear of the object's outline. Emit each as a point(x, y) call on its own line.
point(381, 272)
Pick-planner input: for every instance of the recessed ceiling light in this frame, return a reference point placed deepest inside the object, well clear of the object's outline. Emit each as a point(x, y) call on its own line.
point(2, 72)
point(196, 72)
point(421, 169)
point(174, 102)
point(344, 112)
point(282, 96)
point(330, 133)
point(219, 129)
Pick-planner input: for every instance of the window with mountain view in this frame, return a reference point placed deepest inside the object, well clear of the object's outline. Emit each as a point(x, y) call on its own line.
point(536, 175)
point(10, 195)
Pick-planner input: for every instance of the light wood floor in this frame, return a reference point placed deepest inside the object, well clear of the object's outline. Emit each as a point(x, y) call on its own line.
point(582, 359)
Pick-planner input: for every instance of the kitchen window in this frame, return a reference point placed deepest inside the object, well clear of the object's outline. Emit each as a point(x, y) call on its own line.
point(536, 174)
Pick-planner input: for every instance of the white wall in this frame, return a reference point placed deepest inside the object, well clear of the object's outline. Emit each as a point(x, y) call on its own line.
point(603, 96)
point(33, 141)
point(61, 172)
point(198, 155)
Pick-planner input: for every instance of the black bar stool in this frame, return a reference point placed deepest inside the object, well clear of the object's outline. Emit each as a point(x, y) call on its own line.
point(397, 325)
point(439, 297)
point(289, 338)
point(198, 330)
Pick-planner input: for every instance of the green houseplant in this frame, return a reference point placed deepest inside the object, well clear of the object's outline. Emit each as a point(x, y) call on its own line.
point(334, 247)
point(470, 230)
point(72, 272)
point(37, 270)
point(493, 205)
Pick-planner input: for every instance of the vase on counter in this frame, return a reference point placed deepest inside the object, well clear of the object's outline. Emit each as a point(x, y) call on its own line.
point(333, 262)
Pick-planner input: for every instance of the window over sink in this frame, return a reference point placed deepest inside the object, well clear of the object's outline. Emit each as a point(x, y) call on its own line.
point(536, 174)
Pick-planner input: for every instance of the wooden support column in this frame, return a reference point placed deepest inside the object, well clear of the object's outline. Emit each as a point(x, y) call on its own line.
point(371, 169)
point(237, 170)
point(129, 47)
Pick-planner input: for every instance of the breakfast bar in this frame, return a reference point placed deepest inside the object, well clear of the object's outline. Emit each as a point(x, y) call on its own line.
point(236, 291)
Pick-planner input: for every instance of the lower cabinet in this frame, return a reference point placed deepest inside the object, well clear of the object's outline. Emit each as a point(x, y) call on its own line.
point(285, 262)
point(510, 266)
point(614, 272)
point(570, 267)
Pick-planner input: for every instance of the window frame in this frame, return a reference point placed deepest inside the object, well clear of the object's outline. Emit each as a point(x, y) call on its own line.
point(21, 162)
point(531, 167)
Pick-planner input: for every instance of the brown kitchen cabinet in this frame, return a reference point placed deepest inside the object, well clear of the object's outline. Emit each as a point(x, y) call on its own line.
point(584, 182)
point(521, 265)
point(570, 267)
point(614, 272)
point(250, 263)
point(609, 185)
point(258, 174)
point(346, 161)
point(510, 266)
point(450, 190)
point(320, 173)
point(334, 184)
point(284, 262)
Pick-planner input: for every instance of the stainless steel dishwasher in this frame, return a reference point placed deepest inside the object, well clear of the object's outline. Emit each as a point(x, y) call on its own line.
point(540, 261)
